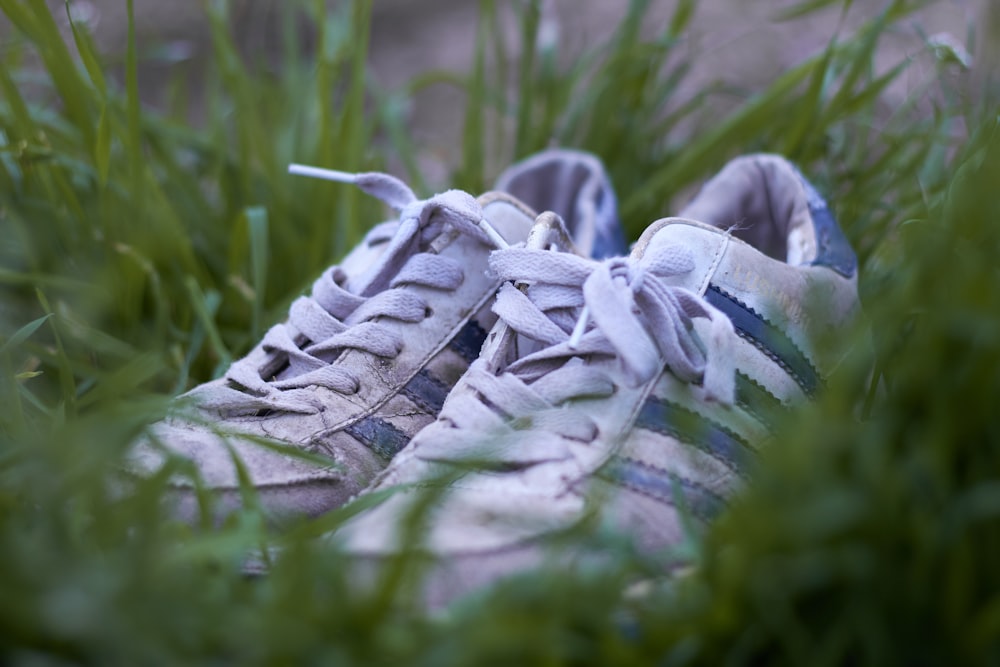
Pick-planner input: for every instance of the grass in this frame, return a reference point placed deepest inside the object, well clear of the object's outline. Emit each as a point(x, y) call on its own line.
point(141, 255)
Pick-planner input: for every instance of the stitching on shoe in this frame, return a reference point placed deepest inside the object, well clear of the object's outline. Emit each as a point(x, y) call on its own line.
point(810, 384)
point(714, 266)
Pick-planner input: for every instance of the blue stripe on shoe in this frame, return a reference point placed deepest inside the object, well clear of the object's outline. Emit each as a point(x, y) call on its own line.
point(760, 403)
point(666, 418)
point(469, 341)
point(379, 436)
point(833, 250)
point(768, 338)
point(427, 392)
point(664, 486)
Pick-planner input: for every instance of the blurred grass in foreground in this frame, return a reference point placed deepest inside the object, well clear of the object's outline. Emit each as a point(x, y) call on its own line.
point(141, 255)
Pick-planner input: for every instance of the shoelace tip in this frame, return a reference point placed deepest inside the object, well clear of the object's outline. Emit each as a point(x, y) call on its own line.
point(325, 174)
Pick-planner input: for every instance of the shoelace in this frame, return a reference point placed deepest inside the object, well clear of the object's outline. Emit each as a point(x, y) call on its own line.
point(337, 317)
point(578, 308)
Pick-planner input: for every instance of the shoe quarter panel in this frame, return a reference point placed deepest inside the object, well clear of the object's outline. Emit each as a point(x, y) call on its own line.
point(782, 310)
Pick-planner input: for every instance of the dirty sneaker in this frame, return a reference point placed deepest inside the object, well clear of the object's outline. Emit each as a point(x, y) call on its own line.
point(328, 397)
point(612, 389)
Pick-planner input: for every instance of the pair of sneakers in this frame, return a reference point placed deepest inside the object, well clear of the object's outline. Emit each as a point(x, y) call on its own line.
point(506, 355)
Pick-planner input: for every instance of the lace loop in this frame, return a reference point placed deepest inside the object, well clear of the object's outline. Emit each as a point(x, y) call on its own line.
point(516, 309)
point(344, 314)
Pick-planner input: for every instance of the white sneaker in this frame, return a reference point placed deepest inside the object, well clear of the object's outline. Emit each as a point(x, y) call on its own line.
point(619, 389)
point(367, 359)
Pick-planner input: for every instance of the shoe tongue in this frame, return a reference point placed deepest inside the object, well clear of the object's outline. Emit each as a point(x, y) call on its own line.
point(509, 217)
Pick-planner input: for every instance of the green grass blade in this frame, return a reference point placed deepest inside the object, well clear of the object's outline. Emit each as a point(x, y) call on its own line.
point(205, 306)
point(470, 177)
point(256, 220)
point(133, 142)
point(23, 333)
point(88, 54)
point(102, 147)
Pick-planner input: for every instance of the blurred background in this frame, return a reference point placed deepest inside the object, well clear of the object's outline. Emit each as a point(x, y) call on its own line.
point(736, 46)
